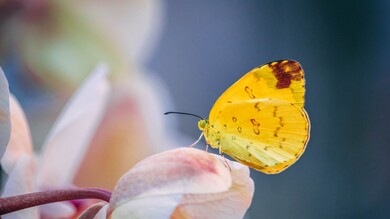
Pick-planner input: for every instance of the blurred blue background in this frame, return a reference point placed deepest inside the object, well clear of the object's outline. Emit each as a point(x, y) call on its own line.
point(343, 46)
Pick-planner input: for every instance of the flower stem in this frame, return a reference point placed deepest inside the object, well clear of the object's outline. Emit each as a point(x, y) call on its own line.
point(19, 202)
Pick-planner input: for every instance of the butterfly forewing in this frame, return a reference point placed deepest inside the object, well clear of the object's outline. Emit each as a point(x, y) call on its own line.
point(282, 80)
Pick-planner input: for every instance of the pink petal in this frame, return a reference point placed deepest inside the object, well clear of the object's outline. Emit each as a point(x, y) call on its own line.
point(169, 174)
point(5, 123)
point(68, 140)
point(229, 204)
point(132, 129)
point(115, 147)
point(20, 143)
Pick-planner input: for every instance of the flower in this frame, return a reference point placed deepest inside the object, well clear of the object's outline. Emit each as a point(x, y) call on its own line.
point(182, 183)
point(99, 136)
point(66, 144)
point(60, 41)
point(179, 183)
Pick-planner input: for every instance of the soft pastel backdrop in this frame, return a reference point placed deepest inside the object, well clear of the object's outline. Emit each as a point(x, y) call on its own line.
point(205, 46)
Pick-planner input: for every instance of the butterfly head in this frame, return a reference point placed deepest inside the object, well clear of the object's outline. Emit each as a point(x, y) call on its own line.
point(211, 136)
point(202, 124)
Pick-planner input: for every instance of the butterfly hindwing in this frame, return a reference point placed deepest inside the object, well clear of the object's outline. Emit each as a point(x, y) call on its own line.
point(266, 134)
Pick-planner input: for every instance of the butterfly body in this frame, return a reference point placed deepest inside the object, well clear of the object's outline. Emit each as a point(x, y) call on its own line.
point(260, 120)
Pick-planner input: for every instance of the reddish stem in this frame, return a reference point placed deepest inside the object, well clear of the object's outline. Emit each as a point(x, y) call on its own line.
point(19, 202)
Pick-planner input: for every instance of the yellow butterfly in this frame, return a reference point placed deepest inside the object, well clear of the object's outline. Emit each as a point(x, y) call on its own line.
point(260, 120)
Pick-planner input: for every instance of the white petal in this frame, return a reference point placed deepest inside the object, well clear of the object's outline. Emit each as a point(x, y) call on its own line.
point(20, 142)
point(21, 181)
point(5, 123)
point(148, 207)
point(68, 140)
point(229, 204)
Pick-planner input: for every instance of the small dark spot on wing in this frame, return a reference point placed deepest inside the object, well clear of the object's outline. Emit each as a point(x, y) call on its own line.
point(257, 107)
point(249, 91)
point(275, 110)
point(276, 132)
point(256, 126)
point(281, 123)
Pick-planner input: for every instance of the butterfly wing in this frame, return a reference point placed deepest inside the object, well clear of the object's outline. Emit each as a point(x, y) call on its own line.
point(282, 80)
point(268, 134)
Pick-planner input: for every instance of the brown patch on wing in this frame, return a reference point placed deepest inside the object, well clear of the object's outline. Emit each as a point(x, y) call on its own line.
point(286, 71)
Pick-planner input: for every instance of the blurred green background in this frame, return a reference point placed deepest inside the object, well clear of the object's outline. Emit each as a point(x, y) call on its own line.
point(343, 47)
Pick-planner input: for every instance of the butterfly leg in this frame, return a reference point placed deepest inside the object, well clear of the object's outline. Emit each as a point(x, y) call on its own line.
point(226, 163)
point(193, 144)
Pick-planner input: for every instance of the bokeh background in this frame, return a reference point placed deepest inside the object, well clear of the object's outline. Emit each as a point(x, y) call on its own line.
point(199, 48)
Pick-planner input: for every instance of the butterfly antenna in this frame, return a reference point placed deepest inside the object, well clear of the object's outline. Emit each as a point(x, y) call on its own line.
point(189, 114)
